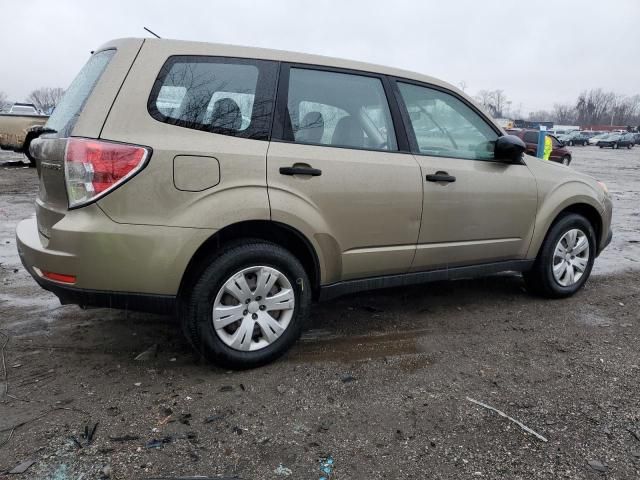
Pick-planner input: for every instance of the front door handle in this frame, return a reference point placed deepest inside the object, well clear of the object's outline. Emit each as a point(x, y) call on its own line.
point(313, 172)
point(441, 177)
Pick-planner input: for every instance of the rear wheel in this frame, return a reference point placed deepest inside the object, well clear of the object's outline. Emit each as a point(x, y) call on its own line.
point(615, 146)
point(565, 260)
point(248, 306)
point(571, 143)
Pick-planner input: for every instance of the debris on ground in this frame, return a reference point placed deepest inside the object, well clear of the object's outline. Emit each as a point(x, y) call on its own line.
point(347, 378)
point(148, 354)
point(22, 467)
point(283, 471)
point(326, 467)
point(86, 437)
point(214, 418)
point(598, 466)
point(124, 438)
point(158, 443)
point(502, 414)
point(106, 471)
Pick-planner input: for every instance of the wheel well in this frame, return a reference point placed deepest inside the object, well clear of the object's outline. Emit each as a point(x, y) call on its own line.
point(275, 232)
point(590, 213)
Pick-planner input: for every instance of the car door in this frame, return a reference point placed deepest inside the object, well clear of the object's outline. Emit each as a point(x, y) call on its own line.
point(337, 173)
point(475, 209)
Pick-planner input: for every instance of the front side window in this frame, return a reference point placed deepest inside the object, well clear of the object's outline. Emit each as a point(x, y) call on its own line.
point(531, 137)
point(339, 109)
point(220, 95)
point(444, 126)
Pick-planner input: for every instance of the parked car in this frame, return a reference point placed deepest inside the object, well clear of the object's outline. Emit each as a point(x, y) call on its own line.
point(596, 138)
point(616, 140)
point(636, 138)
point(574, 138)
point(336, 185)
point(559, 153)
point(17, 128)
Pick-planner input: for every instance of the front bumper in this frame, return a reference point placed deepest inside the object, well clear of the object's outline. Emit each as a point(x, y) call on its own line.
point(116, 265)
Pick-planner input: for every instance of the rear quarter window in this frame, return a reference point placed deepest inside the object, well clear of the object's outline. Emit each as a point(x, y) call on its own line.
point(228, 96)
point(70, 107)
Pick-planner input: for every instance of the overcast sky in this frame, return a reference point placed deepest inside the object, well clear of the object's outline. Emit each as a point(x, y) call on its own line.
point(539, 55)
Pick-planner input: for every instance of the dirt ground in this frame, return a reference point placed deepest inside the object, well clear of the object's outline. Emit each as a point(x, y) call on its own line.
point(378, 384)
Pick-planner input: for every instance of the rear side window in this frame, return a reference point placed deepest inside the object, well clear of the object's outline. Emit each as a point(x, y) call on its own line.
point(229, 96)
point(339, 109)
point(531, 137)
point(68, 110)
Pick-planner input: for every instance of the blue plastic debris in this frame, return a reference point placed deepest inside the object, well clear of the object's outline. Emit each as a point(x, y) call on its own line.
point(326, 467)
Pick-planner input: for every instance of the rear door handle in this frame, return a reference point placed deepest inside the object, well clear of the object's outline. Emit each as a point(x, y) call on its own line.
point(441, 177)
point(313, 172)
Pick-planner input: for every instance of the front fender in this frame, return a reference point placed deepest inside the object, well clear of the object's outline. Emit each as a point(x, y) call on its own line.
point(555, 201)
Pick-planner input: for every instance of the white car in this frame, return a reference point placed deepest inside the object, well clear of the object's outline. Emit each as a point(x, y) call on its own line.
point(595, 139)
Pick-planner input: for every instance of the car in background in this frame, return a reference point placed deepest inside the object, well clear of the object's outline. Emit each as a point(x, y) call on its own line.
point(636, 138)
point(596, 138)
point(24, 109)
point(617, 140)
point(559, 154)
point(19, 126)
point(574, 138)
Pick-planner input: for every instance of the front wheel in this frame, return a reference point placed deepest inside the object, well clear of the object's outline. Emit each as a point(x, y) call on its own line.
point(566, 160)
point(248, 306)
point(565, 259)
point(571, 143)
point(615, 146)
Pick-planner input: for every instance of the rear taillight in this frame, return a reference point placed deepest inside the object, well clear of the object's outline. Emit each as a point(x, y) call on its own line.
point(93, 168)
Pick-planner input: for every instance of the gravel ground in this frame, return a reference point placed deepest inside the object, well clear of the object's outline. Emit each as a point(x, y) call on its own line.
point(379, 382)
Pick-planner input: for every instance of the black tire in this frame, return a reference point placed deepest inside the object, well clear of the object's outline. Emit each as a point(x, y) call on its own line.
point(27, 144)
point(197, 306)
point(571, 143)
point(540, 279)
point(629, 146)
point(566, 160)
point(615, 146)
point(584, 144)
point(600, 146)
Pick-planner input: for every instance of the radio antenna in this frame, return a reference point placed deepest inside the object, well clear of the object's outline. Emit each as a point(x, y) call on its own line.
point(152, 33)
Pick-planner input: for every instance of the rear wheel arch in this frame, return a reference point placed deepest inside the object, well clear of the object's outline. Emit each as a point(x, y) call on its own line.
point(269, 231)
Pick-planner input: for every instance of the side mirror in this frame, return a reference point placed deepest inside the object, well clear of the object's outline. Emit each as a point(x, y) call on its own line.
point(509, 148)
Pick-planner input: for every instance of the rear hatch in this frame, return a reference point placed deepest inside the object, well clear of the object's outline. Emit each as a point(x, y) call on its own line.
point(81, 113)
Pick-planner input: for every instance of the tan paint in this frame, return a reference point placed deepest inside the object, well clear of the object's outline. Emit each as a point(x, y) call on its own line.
point(195, 173)
point(486, 215)
point(363, 199)
point(368, 214)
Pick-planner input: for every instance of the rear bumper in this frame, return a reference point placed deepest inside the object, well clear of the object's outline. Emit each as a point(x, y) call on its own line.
point(116, 265)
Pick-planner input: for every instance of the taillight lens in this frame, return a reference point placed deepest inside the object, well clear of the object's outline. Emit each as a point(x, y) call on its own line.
point(93, 167)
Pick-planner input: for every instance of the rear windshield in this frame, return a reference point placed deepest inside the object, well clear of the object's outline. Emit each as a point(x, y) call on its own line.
point(68, 110)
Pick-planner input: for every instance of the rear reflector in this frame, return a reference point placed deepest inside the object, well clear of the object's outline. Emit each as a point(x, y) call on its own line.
point(59, 277)
point(94, 167)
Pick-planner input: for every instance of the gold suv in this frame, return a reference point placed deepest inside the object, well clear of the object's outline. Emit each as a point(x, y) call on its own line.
point(235, 186)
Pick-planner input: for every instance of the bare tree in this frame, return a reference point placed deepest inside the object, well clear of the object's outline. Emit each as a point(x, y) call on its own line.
point(4, 103)
point(564, 114)
point(495, 101)
point(540, 116)
point(595, 107)
point(45, 99)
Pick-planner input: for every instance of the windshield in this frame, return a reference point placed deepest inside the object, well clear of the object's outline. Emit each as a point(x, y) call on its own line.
point(70, 107)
